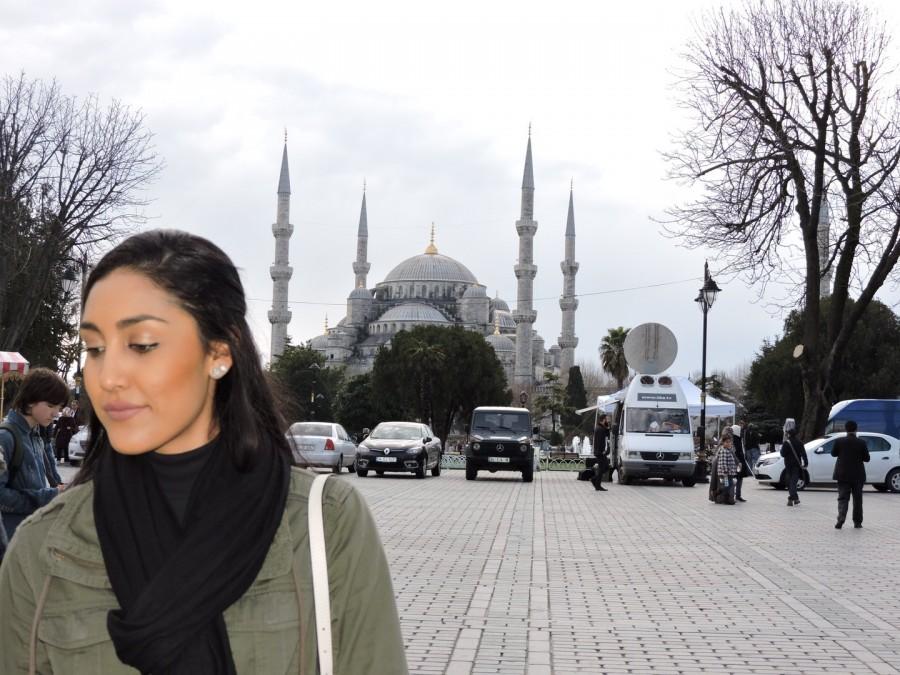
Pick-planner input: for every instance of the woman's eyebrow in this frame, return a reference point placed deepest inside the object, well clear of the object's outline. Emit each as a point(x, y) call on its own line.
point(123, 323)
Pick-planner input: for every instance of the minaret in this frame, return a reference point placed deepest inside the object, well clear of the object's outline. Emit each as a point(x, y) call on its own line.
point(281, 271)
point(526, 270)
point(824, 239)
point(568, 303)
point(361, 266)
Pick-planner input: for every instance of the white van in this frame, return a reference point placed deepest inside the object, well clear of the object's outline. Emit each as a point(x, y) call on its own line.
point(652, 436)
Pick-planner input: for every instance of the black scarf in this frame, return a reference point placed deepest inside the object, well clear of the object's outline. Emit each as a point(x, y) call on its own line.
point(174, 582)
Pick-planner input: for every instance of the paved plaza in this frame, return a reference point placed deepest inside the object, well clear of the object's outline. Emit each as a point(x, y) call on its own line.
point(499, 576)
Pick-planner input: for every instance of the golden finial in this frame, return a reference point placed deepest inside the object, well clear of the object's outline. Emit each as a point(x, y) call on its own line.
point(571, 184)
point(364, 185)
point(529, 130)
point(496, 323)
point(432, 249)
point(285, 134)
point(326, 322)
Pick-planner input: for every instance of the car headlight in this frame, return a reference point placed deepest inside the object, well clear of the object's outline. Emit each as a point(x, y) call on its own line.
point(523, 448)
point(414, 451)
point(687, 455)
point(476, 446)
point(634, 454)
point(770, 460)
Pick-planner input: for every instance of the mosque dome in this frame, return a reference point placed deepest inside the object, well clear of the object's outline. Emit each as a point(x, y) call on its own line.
point(413, 311)
point(504, 319)
point(360, 294)
point(431, 267)
point(499, 304)
point(475, 291)
point(319, 342)
point(500, 343)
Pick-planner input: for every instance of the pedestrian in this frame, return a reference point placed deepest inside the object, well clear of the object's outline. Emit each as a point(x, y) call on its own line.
point(751, 445)
point(4, 540)
point(600, 446)
point(850, 473)
point(66, 427)
point(29, 480)
point(740, 457)
point(795, 461)
point(185, 544)
point(726, 470)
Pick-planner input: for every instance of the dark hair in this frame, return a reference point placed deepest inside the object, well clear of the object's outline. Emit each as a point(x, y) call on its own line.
point(850, 425)
point(204, 281)
point(40, 384)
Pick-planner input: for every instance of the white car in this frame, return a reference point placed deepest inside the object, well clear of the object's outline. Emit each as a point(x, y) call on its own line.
point(882, 469)
point(78, 445)
point(322, 444)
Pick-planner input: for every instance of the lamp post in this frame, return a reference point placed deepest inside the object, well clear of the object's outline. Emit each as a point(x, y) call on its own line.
point(523, 398)
point(73, 282)
point(705, 299)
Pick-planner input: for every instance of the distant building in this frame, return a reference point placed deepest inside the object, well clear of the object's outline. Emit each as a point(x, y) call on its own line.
point(432, 289)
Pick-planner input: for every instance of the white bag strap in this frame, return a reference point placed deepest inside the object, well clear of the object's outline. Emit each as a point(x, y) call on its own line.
point(320, 575)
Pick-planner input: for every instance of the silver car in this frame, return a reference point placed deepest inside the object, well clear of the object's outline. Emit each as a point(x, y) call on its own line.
point(322, 444)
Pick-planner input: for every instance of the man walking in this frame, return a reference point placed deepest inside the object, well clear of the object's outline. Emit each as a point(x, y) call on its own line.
point(601, 451)
point(850, 473)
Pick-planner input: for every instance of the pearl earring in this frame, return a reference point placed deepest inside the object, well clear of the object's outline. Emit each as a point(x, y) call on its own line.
point(219, 372)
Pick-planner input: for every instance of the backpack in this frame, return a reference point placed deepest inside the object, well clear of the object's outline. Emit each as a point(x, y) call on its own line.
point(18, 452)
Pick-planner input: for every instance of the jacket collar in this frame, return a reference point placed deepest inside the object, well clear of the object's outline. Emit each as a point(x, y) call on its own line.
point(72, 548)
point(18, 420)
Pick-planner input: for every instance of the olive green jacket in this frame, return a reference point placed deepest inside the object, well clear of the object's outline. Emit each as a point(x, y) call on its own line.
point(55, 594)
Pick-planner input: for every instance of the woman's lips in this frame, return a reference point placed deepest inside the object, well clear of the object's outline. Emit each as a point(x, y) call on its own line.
point(122, 413)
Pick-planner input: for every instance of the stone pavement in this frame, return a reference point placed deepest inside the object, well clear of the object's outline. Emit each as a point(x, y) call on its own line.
point(498, 576)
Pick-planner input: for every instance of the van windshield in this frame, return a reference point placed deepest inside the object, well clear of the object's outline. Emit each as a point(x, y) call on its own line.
point(508, 423)
point(882, 417)
point(657, 420)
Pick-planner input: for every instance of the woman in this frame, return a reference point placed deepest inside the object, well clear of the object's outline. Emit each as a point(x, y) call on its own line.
point(183, 546)
point(795, 461)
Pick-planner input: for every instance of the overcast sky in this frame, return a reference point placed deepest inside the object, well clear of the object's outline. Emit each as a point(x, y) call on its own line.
point(429, 103)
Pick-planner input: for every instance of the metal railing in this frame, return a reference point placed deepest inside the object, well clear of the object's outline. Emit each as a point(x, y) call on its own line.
point(545, 463)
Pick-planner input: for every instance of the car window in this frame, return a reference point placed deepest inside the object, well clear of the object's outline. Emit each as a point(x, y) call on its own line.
point(396, 431)
point(876, 444)
point(825, 448)
point(310, 429)
point(342, 432)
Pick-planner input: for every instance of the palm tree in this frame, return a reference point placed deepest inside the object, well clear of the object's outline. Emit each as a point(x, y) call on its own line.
point(612, 354)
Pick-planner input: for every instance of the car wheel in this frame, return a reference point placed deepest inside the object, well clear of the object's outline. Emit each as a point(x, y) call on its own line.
point(362, 473)
point(881, 487)
point(893, 480)
point(471, 472)
point(623, 478)
point(420, 470)
point(688, 482)
point(436, 471)
point(528, 474)
point(336, 468)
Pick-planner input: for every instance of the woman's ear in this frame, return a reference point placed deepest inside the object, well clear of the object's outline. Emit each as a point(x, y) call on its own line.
point(220, 359)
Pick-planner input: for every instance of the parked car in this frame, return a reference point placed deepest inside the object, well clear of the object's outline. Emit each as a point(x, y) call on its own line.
point(78, 446)
point(882, 470)
point(399, 446)
point(322, 444)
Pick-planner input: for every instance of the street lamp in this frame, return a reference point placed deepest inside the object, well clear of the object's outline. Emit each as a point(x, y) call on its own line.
point(705, 299)
point(523, 398)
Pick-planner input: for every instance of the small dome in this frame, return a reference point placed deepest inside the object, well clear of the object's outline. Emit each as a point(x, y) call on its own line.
point(431, 267)
point(499, 304)
point(360, 294)
point(500, 343)
point(475, 291)
point(414, 311)
point(505, 320)
point(319, 342)
point(555, 348)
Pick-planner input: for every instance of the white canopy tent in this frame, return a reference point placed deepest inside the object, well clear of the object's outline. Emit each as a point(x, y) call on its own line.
point(714, 407)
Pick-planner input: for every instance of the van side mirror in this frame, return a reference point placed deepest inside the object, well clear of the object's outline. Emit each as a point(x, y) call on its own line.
point(427, 439)
point(365, 432)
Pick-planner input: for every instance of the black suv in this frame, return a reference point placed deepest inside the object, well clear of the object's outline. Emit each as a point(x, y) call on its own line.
point(500, 439)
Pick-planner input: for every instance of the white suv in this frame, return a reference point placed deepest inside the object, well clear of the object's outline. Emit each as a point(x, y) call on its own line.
point(882, 469)
point(78, 446)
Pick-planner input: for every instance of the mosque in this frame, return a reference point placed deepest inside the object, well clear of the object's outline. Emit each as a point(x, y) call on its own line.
point(432, 289)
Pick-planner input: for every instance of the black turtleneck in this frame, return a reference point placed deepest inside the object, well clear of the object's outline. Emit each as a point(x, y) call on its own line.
point(176, 475)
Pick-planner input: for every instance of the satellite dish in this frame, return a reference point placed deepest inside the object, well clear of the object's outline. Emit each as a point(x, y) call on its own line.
point(650, 348)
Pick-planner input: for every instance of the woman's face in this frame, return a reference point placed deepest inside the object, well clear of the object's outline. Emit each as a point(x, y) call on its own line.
point(147, 371)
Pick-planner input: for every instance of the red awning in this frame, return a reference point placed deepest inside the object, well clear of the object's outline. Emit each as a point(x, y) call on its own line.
point(13, 362)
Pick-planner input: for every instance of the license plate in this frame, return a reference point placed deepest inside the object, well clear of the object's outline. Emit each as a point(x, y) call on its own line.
point(385, 459)
point(304, 446)
point(502, 460)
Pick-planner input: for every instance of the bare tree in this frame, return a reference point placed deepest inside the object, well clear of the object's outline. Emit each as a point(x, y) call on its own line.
point(71, 171)
point(792, 107)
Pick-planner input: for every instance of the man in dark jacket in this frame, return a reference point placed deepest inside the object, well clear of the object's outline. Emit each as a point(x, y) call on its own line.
point(601, 451)
point(794, 462)
point(850, 473)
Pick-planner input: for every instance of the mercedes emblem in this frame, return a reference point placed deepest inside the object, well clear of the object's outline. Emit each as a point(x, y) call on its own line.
point(499, 447)
point(660, 455)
